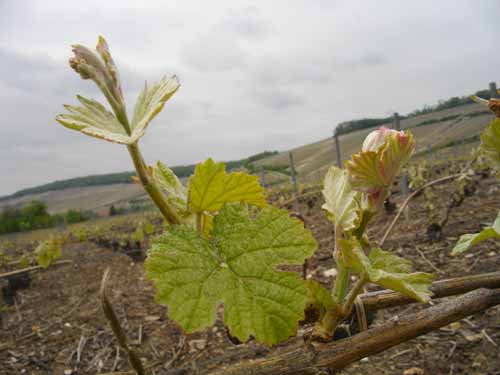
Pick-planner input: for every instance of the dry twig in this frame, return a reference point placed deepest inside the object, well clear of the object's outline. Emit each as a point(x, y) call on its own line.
point(134, 359)
point(407, 200)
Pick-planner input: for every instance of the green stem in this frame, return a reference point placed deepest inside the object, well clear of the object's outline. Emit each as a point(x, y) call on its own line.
point(122, 117)
point(351, 297)
point(341, 282)
point(140, 166)
point(151, 188)
point(325, 329)
point(340, 285)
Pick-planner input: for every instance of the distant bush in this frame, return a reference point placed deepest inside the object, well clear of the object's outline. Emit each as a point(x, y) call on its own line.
point(35, 216)
point(32, 216)
point(74, 216)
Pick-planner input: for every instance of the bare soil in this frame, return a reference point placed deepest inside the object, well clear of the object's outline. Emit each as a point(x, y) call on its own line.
point(57, 327)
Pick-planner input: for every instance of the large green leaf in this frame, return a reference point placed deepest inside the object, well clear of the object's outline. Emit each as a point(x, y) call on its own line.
point(341, 202)
point(387, 270)
point(150, 103)
point(236, 268)
point(95, 120)
point(211, 187)
point(467, 241)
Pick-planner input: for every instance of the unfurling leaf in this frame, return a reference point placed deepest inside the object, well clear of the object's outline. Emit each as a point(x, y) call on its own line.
point(150, 103)
point(377, 138)
point(375, 168)
point(172, 187)
point(47, 252)
point(490, 144)
point(98, 65)
point(386, 270)
point(95, 120)
point(238, 269)
point(467, 241)
point(341, 202)
point(211, 187)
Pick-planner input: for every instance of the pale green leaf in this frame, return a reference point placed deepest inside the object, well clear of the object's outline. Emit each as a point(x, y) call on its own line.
point(341, 202)
point(47, 252)
point(363, 171)
point(387, 261)
point(371, 171)
point(24, 262)
point(150, 103)
point(467, 241)
point(211, 187)
point(237, 268)
point(95, 120)
point(175, 192)
point(490, 144)
point(386, 270)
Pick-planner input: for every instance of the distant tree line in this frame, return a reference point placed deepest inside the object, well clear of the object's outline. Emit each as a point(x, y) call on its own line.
point(125, 177)
point(35, 216)
point(452, 102)
point(365, 123)
point(456, 101)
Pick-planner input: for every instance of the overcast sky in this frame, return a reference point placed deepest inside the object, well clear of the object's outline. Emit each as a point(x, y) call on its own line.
point(255, 75)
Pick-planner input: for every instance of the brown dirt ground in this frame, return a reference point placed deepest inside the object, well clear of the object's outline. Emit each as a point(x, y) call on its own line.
point(61, 311)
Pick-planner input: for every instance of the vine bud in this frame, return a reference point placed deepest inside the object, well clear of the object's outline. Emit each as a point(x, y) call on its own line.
point(98, 65)
point(376, 139)
point(373, 170)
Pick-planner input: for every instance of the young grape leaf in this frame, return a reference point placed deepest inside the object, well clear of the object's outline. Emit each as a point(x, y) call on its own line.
point(211, 187)
point(169, 183)
point(24, 262)
point(236, 268)
point(47, 252)
point(150, 103)
point(341, 202)
point(95, 120)
point(490, 144)
point(363, 173)
point(387, 261)
point(371, 171)
point(386, 270)
point(467, 241)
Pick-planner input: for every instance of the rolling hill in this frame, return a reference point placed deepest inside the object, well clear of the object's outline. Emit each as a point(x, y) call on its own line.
point(433, 131)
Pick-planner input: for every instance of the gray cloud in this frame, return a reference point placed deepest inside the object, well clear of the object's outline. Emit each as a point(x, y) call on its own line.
point(245, 22)
point(279, 100)
point(365, 61)
point(214, 52)
point(271, 75)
